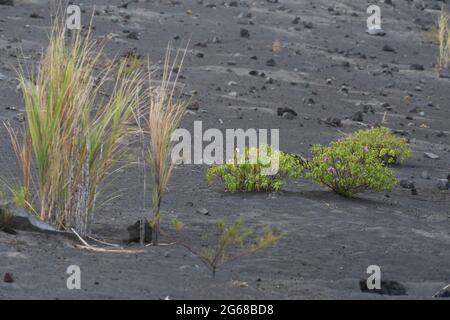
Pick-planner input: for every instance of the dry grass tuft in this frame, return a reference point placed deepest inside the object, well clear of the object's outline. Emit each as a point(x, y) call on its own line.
point(165, 113)
point(73, 133)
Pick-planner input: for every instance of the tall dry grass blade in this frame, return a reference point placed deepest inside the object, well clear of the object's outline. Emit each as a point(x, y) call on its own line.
point(164, 116)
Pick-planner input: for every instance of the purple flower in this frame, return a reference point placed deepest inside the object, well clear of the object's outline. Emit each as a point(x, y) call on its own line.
point(325, 159)
point(332, 170)
point(366, 148)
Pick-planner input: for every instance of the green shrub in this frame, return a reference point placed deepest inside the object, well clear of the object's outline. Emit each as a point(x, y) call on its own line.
point(390, 148)
point(349, 166)
point(242, 174)
point(233, 242)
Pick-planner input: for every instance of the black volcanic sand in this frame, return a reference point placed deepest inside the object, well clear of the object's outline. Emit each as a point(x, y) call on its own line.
point(331, 240)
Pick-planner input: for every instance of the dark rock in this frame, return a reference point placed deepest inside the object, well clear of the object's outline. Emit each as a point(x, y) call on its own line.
point(245, 33)
point(271, 63)
point(407, 184)
point(7, 2)
point(282, 111)
point(8, 278)
point(334, 122)
point(134, 232)
point(296, 20)
point(308, 25)
point(414, 192)
point(388, 48)
point(194, 106)
point(20, 219)
point(358, 116)
point(391, 288)
point(443, 293)
point(36, 16)
point(254, 73)
point(443, 184)
point(133, 35)
point(288, 116)
point(417, 67)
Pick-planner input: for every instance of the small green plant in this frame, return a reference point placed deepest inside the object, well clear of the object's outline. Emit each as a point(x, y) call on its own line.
point(21, 196)
point(244, 173)
point(389, 148)
point(348, 166)
point(233, 242)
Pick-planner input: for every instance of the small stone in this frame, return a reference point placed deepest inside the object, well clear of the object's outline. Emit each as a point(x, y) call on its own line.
point(358, 116)
point(8, 278)
point(203, 211)
point(288, 116)
point(296, 20)
point(133, 35)
point(416, 67)
point(271, 63)
point(376, 32)
point(443, 293)
point(134, 232)
point(282, 111)
point(245, 33)
point(443, 184)
point(36, 16)
point(391, 288)
point(308, 25)
point(431, 155)
point(388, 48)
point(334, 122)
point(407, 184)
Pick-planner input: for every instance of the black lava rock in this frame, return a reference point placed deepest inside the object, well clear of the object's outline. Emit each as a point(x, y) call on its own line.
point(417, 67)
point(134, 232)
point(407, 184)
point(390, 288)
point(245, 33)
point(282, 111)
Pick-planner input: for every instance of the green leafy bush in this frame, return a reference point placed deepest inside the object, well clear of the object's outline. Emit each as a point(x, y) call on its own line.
point(243, 174)
point(390, 148)
point(349, 166)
